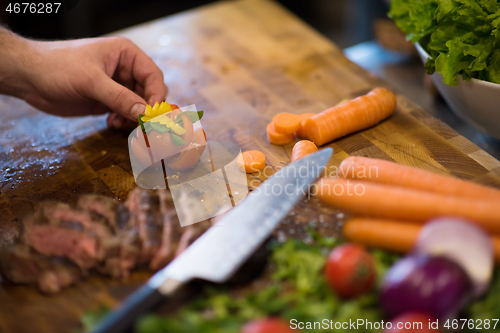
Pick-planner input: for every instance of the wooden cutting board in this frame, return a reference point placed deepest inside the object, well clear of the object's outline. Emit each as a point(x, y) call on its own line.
point(242, 62)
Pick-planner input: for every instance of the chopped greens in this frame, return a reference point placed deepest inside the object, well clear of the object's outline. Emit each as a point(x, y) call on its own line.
point(462, 37)
point(296, 290)
point(90, 319)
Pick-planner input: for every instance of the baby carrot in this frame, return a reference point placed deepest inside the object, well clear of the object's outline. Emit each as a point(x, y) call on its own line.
point(303, 148)
point(277, 138)
point(303, 117)
point(495, 240)
point(251, 161)
point(386, 172)
point(352, 116)
point(392, 235)
point(287, 123)
point(387, 201)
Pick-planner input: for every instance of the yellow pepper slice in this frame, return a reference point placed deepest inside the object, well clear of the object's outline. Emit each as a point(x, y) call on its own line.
point(164, 108)
point(149, 111)
point(164, 120)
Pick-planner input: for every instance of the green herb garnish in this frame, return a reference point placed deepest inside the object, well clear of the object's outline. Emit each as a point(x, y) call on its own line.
point(160, 128)
point(193, 115)
point(141, 123)
point(177, 140)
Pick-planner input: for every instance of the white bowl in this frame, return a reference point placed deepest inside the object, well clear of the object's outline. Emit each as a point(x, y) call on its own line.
point(476, 102)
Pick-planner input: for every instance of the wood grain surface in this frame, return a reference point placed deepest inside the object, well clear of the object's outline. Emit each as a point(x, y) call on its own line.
point(242, 62)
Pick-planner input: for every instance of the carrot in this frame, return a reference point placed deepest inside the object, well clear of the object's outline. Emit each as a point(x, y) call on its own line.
point(386, 172)
point(392, 235)
point(496, 248)
point(276, 137)
point(303, 148)
point(287, 123)
point(251, 161)
point(380, 200)
point(352, 116)
point(303, 117)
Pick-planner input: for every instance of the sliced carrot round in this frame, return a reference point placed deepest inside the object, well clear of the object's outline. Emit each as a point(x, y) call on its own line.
point(277, 138)
point(302, 149)
point(251, 161)
point(303, 117)
point(287, 123)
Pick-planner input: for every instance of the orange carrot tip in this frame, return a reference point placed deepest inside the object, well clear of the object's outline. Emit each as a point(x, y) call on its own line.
point(302, 149)
point(251, 161)
point(277, 138)
point(287, 123)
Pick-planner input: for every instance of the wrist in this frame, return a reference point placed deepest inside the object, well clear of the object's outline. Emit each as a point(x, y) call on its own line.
point(16, 56)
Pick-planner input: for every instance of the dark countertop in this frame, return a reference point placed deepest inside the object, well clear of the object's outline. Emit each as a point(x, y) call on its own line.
point(407, 75)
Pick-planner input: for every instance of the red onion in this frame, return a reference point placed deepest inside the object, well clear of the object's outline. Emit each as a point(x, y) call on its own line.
point(462, 242)
point(434, 285)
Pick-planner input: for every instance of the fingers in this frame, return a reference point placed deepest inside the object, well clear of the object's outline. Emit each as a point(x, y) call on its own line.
point(149, 76)
point(134, 70)
point(117, 97)
point(118, 122)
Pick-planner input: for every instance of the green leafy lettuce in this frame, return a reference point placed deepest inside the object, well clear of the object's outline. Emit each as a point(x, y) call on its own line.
point(461, 36)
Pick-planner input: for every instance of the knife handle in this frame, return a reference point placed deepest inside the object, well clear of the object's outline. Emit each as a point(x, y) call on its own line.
point(141, 301)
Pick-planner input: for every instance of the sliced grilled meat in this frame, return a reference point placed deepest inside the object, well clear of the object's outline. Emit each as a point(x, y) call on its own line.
point(175, 238)
point(123, 248)
point(144, 205)
point(59, 242)
point(101, 207)
point(21, 264)
point(170, 223)
point(57, 230)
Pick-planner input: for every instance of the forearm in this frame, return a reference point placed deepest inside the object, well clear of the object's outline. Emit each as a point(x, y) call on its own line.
point(14, 62)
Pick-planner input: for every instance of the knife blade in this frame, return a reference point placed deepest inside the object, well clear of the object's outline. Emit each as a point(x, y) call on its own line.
point(223, 248)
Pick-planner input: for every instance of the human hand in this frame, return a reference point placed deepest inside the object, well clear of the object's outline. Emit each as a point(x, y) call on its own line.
point(88, 76)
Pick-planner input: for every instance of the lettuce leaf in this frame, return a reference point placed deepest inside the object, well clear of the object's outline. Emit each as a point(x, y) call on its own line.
point(461, 36)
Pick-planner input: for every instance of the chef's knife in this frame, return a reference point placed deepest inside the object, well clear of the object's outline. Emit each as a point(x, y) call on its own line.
point(223, 248)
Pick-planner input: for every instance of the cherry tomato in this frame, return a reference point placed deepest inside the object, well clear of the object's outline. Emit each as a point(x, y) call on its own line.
point(187, 158)
point(269, 325)
point(190, 154)
point(188, 126)
point(350, 270)
point(200, 138)
point(140, 152)
point(174, 113)
point(412, 322)
point(162, 146)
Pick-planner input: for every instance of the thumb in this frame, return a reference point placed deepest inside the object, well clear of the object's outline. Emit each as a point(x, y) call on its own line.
point(118, 98)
